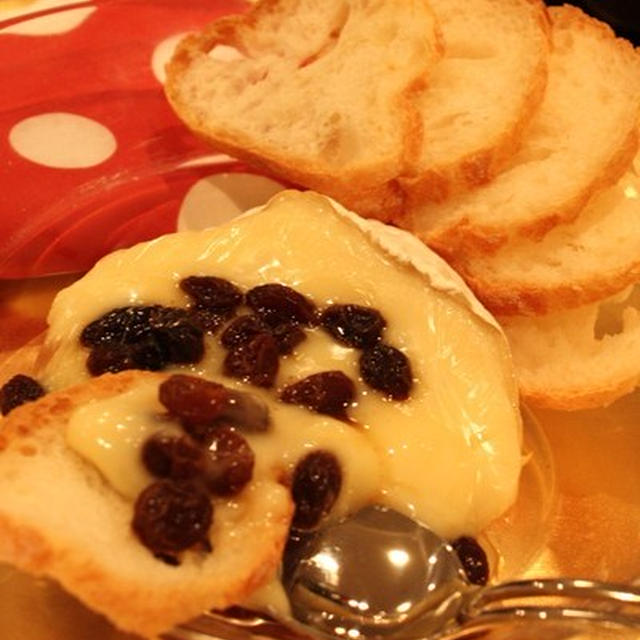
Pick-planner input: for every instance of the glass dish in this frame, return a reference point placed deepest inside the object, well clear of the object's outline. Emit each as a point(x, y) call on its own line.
point(93, 69)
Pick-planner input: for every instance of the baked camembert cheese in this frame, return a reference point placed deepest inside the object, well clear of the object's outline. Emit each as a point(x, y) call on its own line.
point(450, 454)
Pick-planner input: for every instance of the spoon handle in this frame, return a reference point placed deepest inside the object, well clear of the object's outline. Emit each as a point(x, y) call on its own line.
point(555, 601)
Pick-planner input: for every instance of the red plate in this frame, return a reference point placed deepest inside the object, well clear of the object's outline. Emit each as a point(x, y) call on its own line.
point(93, 158)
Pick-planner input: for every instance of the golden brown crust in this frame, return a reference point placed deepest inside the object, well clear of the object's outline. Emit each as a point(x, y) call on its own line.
point(117, 575)
point(467, 237)
point(470, 237)
point(530, 299)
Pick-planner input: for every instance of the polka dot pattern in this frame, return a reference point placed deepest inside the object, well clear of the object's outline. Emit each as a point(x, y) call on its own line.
point(95, 158)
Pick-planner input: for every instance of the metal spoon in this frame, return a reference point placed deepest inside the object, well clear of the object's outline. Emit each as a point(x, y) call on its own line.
point(379, 573)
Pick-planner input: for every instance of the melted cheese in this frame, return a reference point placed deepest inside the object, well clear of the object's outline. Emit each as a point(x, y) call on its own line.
point(449, 456)
point(110, 433)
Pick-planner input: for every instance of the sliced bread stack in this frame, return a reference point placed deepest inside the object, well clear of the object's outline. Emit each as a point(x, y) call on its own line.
point(501, 132)
point(552, 244)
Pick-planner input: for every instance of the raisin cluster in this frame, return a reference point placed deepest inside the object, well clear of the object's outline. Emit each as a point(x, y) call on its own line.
point(142, 337)
point(254, 342)
point(153, 337)
point(383, 367)
point(209, 458)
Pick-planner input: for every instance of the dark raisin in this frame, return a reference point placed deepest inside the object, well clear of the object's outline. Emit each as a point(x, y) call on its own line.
point(208, 321)
point(147, 355)
point(180, 339)
point(387, 369)
point(288, 336)
point(230, 464)
point(214, 294)
point(110, 359)
point(329, 392)
point(193, 400)
point(473, 559)
point(172, 516)
point(255, 362)
point(278, 304)
point(123, 325)
point(172, 456)
point(316, 483)
point(245, 411)
point(202, 405)
point(353, 325)
point(142, 338)
point(242, 330)
point(19, 390)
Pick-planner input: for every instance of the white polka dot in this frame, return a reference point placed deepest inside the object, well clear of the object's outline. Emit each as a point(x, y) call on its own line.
point(161, 54)
point(62, 140)
point(57, 22)
point(221, 197)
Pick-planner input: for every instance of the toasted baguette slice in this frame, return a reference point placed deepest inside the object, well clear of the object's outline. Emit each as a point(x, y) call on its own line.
point(581, 358)
point(582, 139)
point(60, 518)
point(592, 258)
point(480, 95)
point(318, 93)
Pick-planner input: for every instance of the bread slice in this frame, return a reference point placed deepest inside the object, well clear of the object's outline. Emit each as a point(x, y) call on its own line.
point(587, 260)
point(60, 518)
point(581, 358)
point(582, 139)
point(480, 95)
point(317, 92)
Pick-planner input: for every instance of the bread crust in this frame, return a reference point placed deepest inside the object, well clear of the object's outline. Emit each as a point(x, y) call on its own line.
point(467, 237)
point(578, 398)
point(530, 299)
point(151, 597)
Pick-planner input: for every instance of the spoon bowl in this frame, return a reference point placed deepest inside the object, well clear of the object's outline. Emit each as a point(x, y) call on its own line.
point(378, 573)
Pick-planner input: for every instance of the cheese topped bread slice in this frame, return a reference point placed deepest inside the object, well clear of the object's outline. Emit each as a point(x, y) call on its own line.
point(317, 92)
point(60, 518)
point(582, 138)
point(480, 95)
